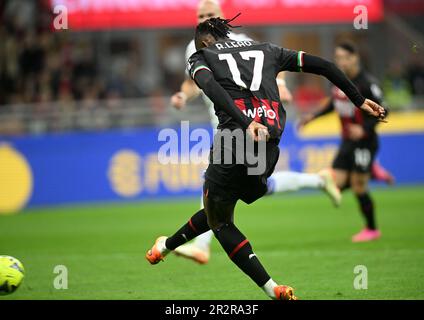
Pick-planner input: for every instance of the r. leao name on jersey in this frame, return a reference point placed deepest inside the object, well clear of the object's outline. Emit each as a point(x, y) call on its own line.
point(233, 44)
point(342, 104)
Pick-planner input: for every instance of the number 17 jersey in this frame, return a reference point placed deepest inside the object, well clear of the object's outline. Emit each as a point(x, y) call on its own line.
point(247, 70)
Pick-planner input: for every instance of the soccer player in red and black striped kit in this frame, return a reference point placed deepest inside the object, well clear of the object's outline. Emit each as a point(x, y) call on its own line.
point(240, 79)
point(353, 163)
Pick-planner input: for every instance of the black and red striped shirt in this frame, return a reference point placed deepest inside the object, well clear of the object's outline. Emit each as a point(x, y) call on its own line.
point(348, 113)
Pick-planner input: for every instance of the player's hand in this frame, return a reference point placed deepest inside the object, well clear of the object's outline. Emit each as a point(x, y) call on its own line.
point(179, 100)
point(285, 94)
point(258, 131)
point(374, 109)
point(355, 131)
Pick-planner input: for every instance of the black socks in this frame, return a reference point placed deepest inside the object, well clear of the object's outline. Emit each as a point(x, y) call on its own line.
point(367, 208)
point(197, 225)
point(231, 239)
point(240, 252)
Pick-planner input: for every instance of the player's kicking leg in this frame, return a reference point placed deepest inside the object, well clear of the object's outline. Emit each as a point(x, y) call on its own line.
point(194, 227)
point(231, 239)
point(285, 181)
point(199, 249)
point(220, 218)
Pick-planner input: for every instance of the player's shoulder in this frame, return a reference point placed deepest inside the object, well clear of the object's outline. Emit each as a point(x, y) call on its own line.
point(269, 48)
point(371, 83)
point(191, 44)
point(258, 45)
point(196, 55)
point(367, 78)
point(196, 62)
point(190, 49)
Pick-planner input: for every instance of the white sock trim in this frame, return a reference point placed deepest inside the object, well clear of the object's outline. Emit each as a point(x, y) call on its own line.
point(162, 247)
point(268, 288)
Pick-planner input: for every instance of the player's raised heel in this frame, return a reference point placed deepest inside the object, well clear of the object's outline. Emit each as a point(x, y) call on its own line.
point(156, 254)
point(193, 252)
point(380, 174)
point(284, 293)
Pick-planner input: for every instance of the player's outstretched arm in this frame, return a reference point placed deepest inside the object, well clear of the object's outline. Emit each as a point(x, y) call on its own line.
point(317, 65)
point(306, 118)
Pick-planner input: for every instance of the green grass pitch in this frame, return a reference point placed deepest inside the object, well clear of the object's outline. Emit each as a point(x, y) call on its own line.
point(300, 238)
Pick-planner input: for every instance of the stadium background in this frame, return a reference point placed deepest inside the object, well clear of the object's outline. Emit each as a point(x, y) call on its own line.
point(73, 101)
point(80, 109)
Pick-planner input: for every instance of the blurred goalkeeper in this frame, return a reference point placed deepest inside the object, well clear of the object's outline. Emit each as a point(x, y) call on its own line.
point(240, 79)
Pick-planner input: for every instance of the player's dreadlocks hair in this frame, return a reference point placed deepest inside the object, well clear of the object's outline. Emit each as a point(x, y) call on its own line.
point(217, 27)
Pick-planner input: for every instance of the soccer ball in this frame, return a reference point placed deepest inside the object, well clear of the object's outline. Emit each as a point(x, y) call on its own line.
point(11, 274)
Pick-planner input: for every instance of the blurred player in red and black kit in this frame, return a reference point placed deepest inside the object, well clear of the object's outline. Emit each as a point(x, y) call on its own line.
point(355, 160)
point(240, 79)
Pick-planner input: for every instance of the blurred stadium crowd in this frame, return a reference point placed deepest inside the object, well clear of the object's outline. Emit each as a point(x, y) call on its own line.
point(55, 81)
point(39, 66)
